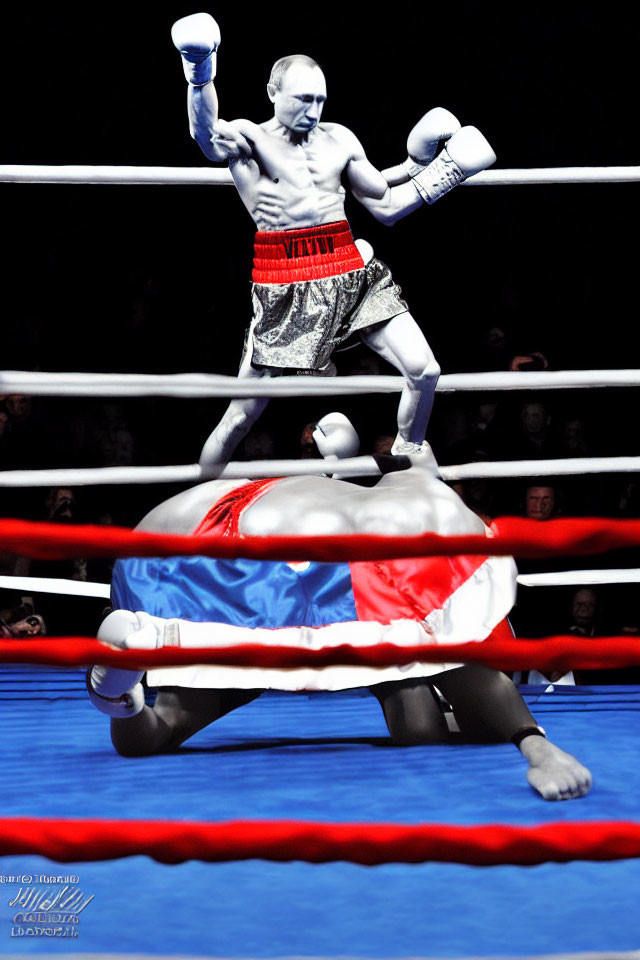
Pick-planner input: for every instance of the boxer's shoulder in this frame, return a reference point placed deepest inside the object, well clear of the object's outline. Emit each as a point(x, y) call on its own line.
point(183, 513)
point(301, 506)
point(342, 135)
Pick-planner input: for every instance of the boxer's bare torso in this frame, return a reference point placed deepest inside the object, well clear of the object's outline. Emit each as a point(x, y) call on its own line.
point(288, 183)
point(292, 170)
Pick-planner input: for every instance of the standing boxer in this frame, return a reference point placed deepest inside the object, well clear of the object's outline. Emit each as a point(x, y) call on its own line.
point(312, 287)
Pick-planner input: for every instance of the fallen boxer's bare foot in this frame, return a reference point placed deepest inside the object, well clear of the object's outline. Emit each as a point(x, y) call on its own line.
point(555, 775)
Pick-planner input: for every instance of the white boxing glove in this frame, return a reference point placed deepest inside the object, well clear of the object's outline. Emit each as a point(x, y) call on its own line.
point(422, 143)
point(335, 436)
point(197, 38)
point(113, 691)
point(467, 152)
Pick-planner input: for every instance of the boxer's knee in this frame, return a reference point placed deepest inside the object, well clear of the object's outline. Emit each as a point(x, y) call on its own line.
point(423, 373)
point(136, 739)
point(242, 415)
point(412, 712)
point(485, 702)
point(175, 716)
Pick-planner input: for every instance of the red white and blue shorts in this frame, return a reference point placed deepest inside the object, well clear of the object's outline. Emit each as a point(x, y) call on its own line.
point(311, 605)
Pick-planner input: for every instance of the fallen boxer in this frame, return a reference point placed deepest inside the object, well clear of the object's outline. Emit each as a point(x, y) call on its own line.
point(199, 601)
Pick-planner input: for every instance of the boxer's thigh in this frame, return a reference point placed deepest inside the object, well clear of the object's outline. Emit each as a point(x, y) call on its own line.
point(186, 710)
point(485, 702)
point(176, 715)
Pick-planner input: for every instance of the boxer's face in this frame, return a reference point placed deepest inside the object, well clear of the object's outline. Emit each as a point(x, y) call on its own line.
point(299, 102)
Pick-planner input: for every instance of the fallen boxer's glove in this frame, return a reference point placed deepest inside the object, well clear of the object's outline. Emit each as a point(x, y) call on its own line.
point(116, 692)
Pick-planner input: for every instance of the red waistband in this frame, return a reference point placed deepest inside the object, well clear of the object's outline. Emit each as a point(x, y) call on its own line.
point(307, 253)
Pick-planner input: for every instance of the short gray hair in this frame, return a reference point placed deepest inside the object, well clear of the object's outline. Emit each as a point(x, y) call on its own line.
point(280, 67)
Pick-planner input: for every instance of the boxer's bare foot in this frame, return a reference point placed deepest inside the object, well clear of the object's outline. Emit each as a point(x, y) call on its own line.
point(556, 775)
point(420, 454)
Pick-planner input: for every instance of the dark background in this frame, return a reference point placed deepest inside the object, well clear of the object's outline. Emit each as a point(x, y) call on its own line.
point(549, 85)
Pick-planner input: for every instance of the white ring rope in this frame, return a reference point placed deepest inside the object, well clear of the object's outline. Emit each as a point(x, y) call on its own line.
point(350, 467)
point(574, 578)
point(190, 385)
point(185, 473)
point(86, 588)
point(211, 176)
point(125, 175)
point(568, 467)
point(204, 385)
point(69, 588)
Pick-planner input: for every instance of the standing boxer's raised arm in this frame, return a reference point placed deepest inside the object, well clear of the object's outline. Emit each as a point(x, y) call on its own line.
point(197, 38)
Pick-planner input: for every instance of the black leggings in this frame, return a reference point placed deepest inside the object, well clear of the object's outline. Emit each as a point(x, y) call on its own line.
point(485, 704)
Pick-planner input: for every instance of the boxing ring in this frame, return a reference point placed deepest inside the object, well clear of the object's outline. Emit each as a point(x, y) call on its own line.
point(290, 827)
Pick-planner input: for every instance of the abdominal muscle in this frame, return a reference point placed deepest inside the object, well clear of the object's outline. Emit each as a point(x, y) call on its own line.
point(289, 189)
point(285, 207)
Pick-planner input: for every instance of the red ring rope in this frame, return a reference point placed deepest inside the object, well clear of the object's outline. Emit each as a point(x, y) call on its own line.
point(555, 653)
point(512, 536)
point(364, 843)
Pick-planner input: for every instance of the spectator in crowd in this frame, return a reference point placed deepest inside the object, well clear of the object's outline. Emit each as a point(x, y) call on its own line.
point(308, 449)
point(584, 611)
point(495, 350)
point(60, 507)
point(64, 614)
point(529, 361)
point(382, 443)
point(572, 441)
point(533, 438)
point(113, 438)
point(4, 423)
point(627, 499)
point(257, 445)
point(452, 428)
point(584, 606)
point(21, 622)
point(21, 438)
point(540, 501)
point(487, 429)
point(477, 494)
point(18, 407)
point(588, 620)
